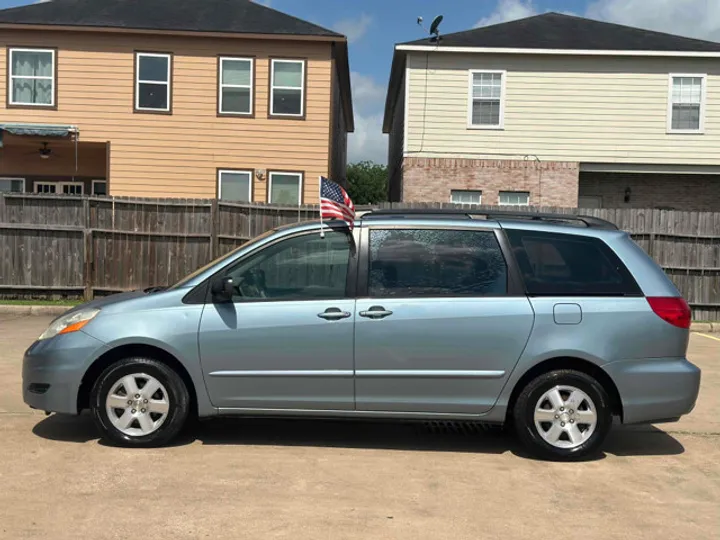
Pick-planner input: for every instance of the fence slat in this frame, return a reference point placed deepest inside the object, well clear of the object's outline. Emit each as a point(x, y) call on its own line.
point(74, 245)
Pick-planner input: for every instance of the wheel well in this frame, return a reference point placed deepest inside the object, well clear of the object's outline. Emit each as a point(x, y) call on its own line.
point(569, 363)
point(128, 351)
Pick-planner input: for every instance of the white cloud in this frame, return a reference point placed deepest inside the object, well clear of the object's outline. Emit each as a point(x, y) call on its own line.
point(508, 10)
point(368, 142)
point(354, 28)
point(694, 18)
point(367, 94)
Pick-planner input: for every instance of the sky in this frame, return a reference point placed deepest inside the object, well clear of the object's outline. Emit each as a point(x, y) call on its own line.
point(373, 27)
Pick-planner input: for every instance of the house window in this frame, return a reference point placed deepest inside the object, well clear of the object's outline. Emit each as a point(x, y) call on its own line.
point(287, 93)
point(72, 188)
point(465, 197)
point(514, 198)
point(66, 188)
point(285, 188)
point(99, 188)
point(236, 86)
point(32, 77)
point(487, 93)
point(152, 82)
point(45, 187)
point(687, 103)
point(12, 185)
point(235, 185)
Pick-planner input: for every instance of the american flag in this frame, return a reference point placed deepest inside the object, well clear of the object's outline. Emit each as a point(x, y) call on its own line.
point(335, 203)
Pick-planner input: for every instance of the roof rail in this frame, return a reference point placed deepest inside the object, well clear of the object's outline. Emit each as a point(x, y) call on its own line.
point(590, 222)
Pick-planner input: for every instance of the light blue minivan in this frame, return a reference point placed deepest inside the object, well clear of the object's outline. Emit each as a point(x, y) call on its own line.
point(552, 323)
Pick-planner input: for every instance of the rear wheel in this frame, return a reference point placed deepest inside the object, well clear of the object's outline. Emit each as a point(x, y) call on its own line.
point(139, 402)
point(563, 414)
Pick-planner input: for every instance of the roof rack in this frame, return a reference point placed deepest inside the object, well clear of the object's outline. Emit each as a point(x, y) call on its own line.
point(588, 221)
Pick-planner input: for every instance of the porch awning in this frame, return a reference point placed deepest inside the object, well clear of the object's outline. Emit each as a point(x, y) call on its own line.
point(37, 130)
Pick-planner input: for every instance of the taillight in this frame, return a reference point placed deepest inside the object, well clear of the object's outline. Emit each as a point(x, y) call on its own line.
point(672, 309)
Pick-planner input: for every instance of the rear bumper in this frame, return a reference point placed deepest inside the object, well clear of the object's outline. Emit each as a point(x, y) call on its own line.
point(53, 370)
point(655, 389)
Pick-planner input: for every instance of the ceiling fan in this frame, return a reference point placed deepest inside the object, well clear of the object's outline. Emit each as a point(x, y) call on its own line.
point(43, 151)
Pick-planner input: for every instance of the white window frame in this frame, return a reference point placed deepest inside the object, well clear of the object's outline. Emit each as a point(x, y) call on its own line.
point(273, 87)
point(500, 203)
point(703, 93)
point(473, 191)
point(503, 79)
point(92, 187)
point(36, 184)
point(59, 187)
point(222, 86)
point(286, 173)
point(12, 77)
point(167, 83)
point(14, 179)
point(235, 171)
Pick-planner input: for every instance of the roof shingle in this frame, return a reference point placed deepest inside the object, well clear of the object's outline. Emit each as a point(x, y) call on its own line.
point(226, 16)
point(566, 32)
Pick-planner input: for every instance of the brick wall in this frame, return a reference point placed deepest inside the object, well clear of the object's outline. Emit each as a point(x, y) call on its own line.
point(550, 183)
point(691, 192)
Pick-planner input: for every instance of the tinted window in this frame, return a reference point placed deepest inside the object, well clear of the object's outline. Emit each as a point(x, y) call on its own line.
point(564, 264)
point(301, 268)
point(435, 263)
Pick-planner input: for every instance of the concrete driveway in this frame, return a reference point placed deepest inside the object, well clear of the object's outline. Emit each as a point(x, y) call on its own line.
point(332, 480)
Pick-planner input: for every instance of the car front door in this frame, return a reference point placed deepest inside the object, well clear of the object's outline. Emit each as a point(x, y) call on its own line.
point(440, 323)
point(286, 339)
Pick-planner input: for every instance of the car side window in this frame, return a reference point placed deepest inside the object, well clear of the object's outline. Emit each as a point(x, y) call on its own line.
point(305, 267)
point(569, 265)
point(435, 262)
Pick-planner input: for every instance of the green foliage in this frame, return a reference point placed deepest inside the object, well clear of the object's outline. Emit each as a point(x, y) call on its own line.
point(367, 182)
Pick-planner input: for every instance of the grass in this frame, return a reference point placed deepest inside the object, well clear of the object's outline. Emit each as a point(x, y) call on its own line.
point(68, 303)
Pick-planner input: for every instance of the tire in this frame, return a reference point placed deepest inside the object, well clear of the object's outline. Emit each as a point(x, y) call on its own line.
point(145, 421)
point(553, 415)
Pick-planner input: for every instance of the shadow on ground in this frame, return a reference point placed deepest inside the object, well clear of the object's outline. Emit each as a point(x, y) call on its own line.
point(426, 436)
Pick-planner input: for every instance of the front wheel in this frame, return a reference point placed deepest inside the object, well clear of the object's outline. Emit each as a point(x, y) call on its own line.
point(140, 402)
point(563, 414)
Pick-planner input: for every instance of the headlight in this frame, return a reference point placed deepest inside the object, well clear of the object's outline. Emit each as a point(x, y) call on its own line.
point(72, 322)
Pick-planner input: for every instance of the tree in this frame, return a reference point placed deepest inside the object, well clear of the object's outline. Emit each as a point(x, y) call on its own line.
point(367, 182)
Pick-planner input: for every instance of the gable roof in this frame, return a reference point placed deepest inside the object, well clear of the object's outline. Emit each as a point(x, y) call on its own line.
point(559, 31)
point(225, 16)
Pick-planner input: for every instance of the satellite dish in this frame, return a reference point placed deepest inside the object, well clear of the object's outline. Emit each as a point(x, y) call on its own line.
point(435, 26)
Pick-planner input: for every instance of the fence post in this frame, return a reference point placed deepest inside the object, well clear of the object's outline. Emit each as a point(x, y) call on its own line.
point(214, 225)
point(88, 243)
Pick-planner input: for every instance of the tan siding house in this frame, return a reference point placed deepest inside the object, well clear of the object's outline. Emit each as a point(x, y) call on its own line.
point(170, 113)
point(493, 118)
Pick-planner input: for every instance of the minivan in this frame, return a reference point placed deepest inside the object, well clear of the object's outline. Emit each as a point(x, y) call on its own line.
point(553, 324)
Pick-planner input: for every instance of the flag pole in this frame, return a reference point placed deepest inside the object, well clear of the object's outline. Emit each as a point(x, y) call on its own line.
point(322, 225)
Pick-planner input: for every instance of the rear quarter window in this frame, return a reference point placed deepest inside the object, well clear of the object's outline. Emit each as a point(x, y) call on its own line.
point(569, 265)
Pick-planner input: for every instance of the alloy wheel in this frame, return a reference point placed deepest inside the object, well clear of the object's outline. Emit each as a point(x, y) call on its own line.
point(137, 404)
point(565, 417)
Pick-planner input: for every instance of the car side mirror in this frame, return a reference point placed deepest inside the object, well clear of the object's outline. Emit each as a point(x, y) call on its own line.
point(222, 289)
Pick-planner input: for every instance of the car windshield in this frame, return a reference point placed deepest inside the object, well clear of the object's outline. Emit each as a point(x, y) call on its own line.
point(220, 259)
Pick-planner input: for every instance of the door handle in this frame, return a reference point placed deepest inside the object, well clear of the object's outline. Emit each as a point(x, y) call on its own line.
point(334, 314)
point(376, 312)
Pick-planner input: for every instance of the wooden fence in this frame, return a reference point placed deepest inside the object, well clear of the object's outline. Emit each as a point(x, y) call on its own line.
point(53, 245)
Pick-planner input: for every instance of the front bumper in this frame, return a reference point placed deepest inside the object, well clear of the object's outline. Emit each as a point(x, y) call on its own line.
point(53, 370)
point(655, 389)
